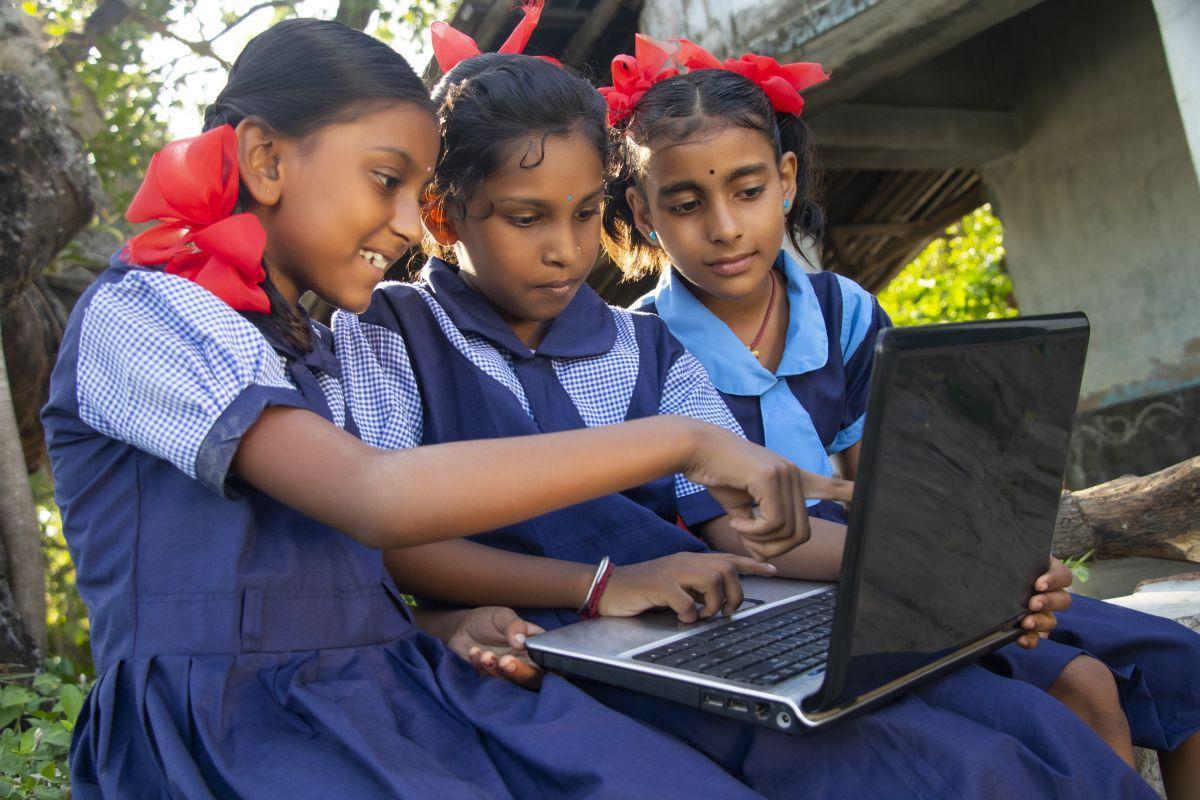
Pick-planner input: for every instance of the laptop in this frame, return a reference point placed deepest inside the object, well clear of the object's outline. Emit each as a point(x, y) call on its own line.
point(952, 520)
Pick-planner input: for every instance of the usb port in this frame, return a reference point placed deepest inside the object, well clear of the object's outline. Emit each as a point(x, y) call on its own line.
point(714, 700)
point(740, 706)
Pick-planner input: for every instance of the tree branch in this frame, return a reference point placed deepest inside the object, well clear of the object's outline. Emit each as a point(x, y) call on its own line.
point(249, 13)
point(356, 13)
point(107, 15)
point(199, 48)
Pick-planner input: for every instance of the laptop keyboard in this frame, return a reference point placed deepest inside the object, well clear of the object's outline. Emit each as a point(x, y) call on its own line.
point(764, 649)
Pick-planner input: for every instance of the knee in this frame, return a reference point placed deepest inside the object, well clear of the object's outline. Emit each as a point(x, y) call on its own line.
point(1088, 687)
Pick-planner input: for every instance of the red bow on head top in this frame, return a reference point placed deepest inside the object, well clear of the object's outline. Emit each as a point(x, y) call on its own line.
point(633, 75)
point(450, 45)
point(191, 187)
point(782, 83)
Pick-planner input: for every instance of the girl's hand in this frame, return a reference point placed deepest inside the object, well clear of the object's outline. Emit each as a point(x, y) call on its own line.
point(762, 492)
point(678, 582)
point(492, 638)
point(1052, 597)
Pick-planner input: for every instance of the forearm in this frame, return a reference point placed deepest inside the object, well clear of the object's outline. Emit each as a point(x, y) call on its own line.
point(847, 461)
point(401, 498)
point(818, 559)
point(472, 574)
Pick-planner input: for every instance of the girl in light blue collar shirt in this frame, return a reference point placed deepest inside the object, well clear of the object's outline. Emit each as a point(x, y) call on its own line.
point(711, 171)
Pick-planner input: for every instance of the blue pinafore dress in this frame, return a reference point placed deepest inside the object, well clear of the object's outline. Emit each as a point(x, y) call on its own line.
point(447, 368)
point(246, 650)
point(814, 406)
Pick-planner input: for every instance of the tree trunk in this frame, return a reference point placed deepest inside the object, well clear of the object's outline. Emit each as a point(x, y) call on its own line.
point(48, 192)
point(22, 584)
point(1157, 516)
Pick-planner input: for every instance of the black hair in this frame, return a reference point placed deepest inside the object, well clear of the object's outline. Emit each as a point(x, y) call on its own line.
point(488, 103)
point(297, 77)
point(677, 109)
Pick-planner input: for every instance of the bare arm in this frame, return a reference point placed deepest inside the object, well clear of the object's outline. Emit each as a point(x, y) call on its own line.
point(818, 559)
point(848, 461)
point(406, 497)
point(473, 574)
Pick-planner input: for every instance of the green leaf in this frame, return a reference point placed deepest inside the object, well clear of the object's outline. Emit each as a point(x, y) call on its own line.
point(9, 715)
point(72, 701)
point(56, 736)
point(15, 696)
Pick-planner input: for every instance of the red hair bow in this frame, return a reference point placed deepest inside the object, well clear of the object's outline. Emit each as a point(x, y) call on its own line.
point(633, 75)
point(782, 83)
point(191, 187)
point(450, 45)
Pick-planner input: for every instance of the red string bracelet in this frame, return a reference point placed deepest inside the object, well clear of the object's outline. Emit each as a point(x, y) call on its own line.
point(593, 602)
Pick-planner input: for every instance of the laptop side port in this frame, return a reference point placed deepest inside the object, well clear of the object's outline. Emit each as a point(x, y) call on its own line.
point(714, 700)
point(762, 710)
point(740, 706)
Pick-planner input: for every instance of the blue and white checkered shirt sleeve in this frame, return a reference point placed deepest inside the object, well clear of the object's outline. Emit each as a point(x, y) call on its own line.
point(690, 392)
point(167, 367)
point(381, 387)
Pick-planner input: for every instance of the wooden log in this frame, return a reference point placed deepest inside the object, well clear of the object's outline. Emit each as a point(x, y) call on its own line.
point(1156, 516)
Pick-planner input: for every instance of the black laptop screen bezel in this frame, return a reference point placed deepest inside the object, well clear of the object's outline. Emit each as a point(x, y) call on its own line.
point(891, 344)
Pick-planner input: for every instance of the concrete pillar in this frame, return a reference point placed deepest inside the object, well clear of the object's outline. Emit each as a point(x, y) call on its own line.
point(1179, 23)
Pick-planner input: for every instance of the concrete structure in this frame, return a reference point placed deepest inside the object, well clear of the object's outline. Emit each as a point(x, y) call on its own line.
point(1073, 117)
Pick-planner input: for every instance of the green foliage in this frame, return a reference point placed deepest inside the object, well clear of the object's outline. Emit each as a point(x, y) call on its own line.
point(37, 715)
point(959, 276)
point(67, 628)
point(1078, 566)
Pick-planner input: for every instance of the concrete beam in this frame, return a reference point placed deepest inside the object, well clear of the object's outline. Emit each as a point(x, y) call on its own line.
point(580, 45)
point(883, 39)
point(895, 137)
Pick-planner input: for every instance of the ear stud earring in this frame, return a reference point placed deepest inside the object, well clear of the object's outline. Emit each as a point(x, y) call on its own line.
point(654, 236)
point(787, 204)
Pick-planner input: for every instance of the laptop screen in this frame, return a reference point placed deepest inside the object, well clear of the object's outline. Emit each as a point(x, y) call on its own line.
point(962, 468)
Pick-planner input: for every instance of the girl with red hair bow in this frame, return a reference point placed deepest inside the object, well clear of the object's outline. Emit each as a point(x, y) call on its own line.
point(226, 520)
point(714, 171)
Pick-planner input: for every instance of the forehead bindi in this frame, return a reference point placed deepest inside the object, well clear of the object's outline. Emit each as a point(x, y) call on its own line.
point(709, 158)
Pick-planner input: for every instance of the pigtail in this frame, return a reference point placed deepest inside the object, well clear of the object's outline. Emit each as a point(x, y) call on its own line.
point(805, 220)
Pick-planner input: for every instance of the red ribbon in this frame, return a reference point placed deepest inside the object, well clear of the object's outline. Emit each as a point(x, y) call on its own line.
point(191, 188)
point(450, 45)
point(633, 75)
point(782, 83)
